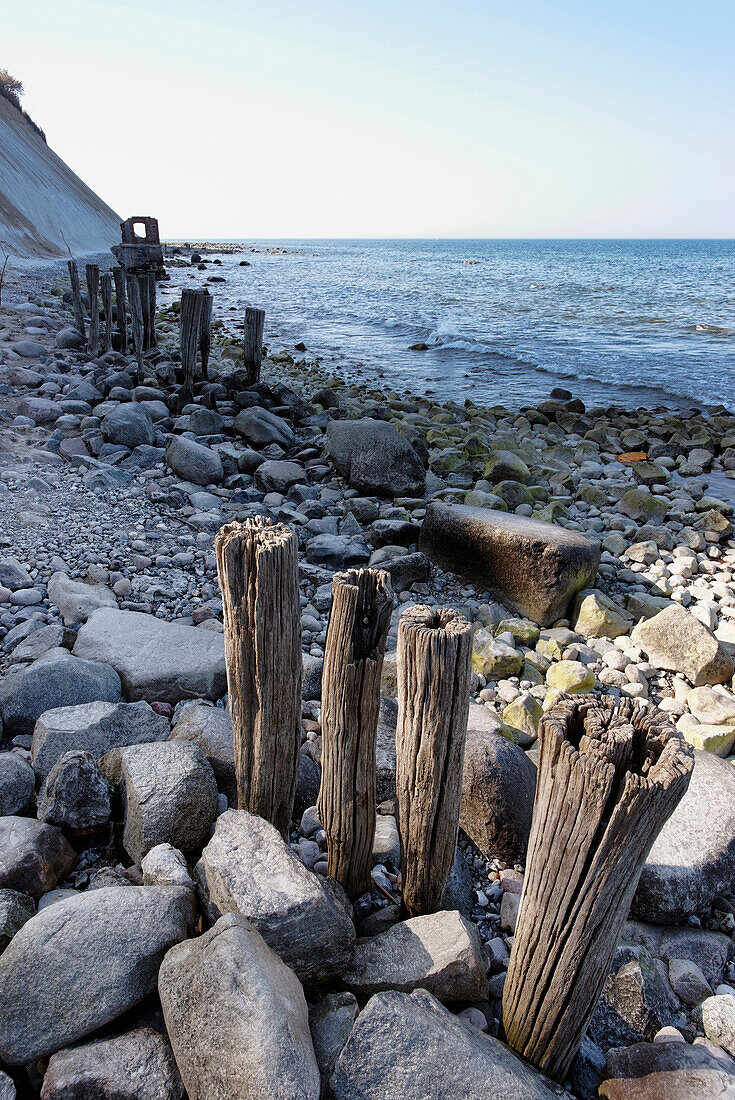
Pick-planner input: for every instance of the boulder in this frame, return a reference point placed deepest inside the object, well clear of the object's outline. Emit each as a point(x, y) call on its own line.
point(409, 1046)
point(277, 476)
point(13, 575)
point(675, 640)
point(693, 857)
point(642, 506)
point(534, 567)
point(29, 349)
point(260, 427)
point(7, 1088)
point(407, 569)
point(41, 410)
point(34, 857)
point(82, 962)
point(330, 1021)
point(248, 868)
point(95, 728)
point(169, 794)
point(166, 866)
point(237, 1018)
point(156, 660)
point(205, 422)
point(211, 729)
point(498, 790)
point(76, 794)
point(375, 458)
point(137, 1065)
point(70, 338)
point(718, 1020)
point(76, 600)
point(440, 952)
point(636, 1000)
point(709, 951)
point(193, 461)
point(15, 909)
point(597, 616)
point(129, 425)
point(17, 784)
point(665, 1071)
point(337, 552)
point(53, 681)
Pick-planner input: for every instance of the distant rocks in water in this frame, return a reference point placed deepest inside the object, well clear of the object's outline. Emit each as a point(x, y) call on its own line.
point(535, 568)
point(375, 458)
point(420, 346)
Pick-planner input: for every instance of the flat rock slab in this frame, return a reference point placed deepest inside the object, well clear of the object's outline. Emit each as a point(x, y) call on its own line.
point(409, 1046)
point(248, 868)
point(53, 681)
point(675, 640)
point(34, 857)
point(237, 1018)
point(440, 952)
point(693, 857)
point(94, 727)
point(674, 1071)
point(156, 660)
point(375, 458)
point(137, 1065)
point(82, 962)
point(534, 567)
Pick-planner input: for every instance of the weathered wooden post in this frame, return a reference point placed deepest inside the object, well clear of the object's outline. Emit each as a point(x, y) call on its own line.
point(136, 321)
point(93, 282)
point(76, 298)
point(609, 777)
point(205, 332)
point(106, 288)
point(434, 665)
point(362, 600)
point(257, 563)
point(148, 290)
point(121, 308)
point(253, 356)
point(190, 320)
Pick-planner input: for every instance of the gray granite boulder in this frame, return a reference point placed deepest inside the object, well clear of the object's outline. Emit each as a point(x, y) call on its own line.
point(82, 962)
point(130, 425)
point(13, 575)
point(710, 951)
point(15, 909)
point(408, 1046)
point(498, 791)
point(211, 729)
point(156, 660)
point(375, 458)
point(76, 600)
point(237, 1018)
point(193, 461)
point(636, 1000)
point(278, 475)
point(169, 794)
point(34, 857)
point(675, 640)
point(17, 784)
point(260, 427)
point(532, 566)
point(94, 727)
point(137, 1065)
point(331, 1019)
point(75, 794)
point(53, 681)
point(248, 868)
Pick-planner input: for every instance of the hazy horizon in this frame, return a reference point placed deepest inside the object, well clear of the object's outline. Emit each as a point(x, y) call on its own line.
point(404, 120)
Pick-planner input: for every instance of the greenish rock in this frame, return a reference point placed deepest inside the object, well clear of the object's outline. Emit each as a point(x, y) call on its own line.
point(495, 660)
point(571, 677)
point(615, 544)
point(523, 716)
point(596, 616)
point(643, 507)
point(504, 465)
point(650, 473)
point(551, 512)
point(531, 673)
point(476, 498)
point(513, 493)
point(591, 494)
point(524, 631)
point(717, 739)
point(551, 648)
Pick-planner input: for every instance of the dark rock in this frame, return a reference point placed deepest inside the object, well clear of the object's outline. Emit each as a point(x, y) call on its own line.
point(636, 1000)
point(261, 427)
point(665, 1071)
point(277, 476)
point(129, 424)
point(498, 790)
point(34, 858)
point(193, 461)
point(374, 458)
point(53, 681)
point(15, 909)
point(17, 784)
point(75, 794)
point(137, 1065)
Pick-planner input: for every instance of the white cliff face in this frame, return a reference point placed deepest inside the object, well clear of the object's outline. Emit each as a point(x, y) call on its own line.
point(43, 204)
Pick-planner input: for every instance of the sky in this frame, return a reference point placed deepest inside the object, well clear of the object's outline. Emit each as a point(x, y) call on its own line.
point(390, 118)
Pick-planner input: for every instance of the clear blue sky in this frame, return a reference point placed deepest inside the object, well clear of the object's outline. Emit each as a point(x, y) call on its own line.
point(286, 118)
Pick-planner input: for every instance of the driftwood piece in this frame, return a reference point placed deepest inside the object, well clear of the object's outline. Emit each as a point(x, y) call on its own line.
point(253, 354)
point(609, 777)
point(190, 320)
point(93, 282)
point(362, 600)
point(257, 563)
point(136, 321)
point(106, 291)
point(76, 298)
point(205, 331)
point(434, 665)
point(149, 290)
point(121, 308)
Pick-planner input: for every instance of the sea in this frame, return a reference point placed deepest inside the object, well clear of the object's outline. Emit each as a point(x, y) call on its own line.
point(631, 323)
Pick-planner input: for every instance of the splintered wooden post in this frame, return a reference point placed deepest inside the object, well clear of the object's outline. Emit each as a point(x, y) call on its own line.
point(362, 600)
point(136, 321)
point(93, 282)
point(205, 332)
point(149, 289)
point(121, 308)
point(76, 298)
point(252, 358)
point(106, 288)
point(257, 563)
point(434, 659)
point(190, 320)
point(610, 775)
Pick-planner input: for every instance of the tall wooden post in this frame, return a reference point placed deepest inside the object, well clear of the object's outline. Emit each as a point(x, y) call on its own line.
point(205, 332)
point(93, 282)
point(106, 288)
point(362, 600)
point(610, 775)
point(254, 322)
point(190, 320)
point(136, 321)
point(121, 308)
point(76, 298)
point(257, 563)
point(149, 289)
point(434, 666)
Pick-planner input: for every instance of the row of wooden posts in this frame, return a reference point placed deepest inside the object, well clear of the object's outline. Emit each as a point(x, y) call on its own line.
point(609, 775)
